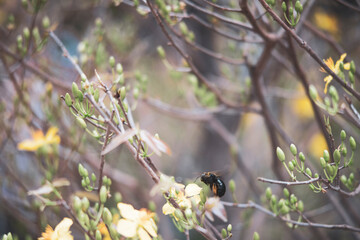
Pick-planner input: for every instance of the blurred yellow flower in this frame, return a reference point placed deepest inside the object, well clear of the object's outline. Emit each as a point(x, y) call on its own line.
point(302, 106)
point(182, 197)
point(136, 223)
point(104, 231)
point(327, 22)
point(38, 140)
point(317, 145)
point(334, 67)
point(61, 232)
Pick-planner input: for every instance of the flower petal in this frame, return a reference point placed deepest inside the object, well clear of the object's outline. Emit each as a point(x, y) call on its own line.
point(347, 66)
point(127, 211)
point(143, 235)
point(168, 209)
point(30, 145)
point(149, 227)
point(62, 230)
point(126, 228)
point(192, 189)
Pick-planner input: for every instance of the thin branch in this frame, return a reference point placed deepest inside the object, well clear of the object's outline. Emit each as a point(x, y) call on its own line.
point(222, 8)
point(266, 180)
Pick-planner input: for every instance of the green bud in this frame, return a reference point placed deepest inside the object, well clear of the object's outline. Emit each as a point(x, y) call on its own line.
point(280, 154)
point(322, 162)
point(283, 6)
point(105, 179)
point(291, 166)
point(75, 89)
point(286, 192)
point(152, 206)
point(298, 7)
point(326, 156)
point(83, 77)
point(308, 172)
point(119, 68)
point(351, 77)
point(316, 175)
point(83, 183)
point(313, 92)
point(343, 135)
point(118, 197)
point(273, 199)
point(291, 10)
point(223, 233)
point(329, 169)
point(351, 176)
point(98, 235)
point(161, 52)
point(337, 156)
point(92, 225)
point(343, 179)
point(327, 102)
point(344, 151)
point(136, 92)
point(46, 22)
point(93, 177)
point(293, 199)
point(85, 203)
point(26, 33)
point(68, 100)
point(268, 193)
point(19, 40)
point(87, 181)
point(342, 66)
point(284, 210)
point(352, 67)
point(82, 170)
point(229, 228)
point(107, 216)
point(183, 28)
point(122, 93)
point(103, 194)
point(256, 236)
point(81, 122)
point(232, 186)
point(178, 214)
point(333, 93)
point(188, 213)
point(352, 143)
point(76, 204)
point(300, 206)
point(293, 148)
point(112, 61)
point(311, 187)
point(302, 157)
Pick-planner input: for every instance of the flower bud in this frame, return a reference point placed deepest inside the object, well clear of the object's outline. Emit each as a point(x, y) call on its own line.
point(98, 235)
point(343, 135)
point(293, 199)
point(46, 22)
point(232, 186)
point(329, 169)
point(256, 236)
point(76, 203)
point(283, 6)
point(268, 193)
point(352, 143)
point(85, 203)
point(351, 77)
point(26, 33)
point(284, 210)
point(136, 93)
point(343, 179)
point(313, 92)
point(273, 199)
point(103, 194)
point(81, 122)
point(352, 67)
point(302, 157)
point(122, 93)
point(326, 155)
point(223, 233)
point(183, 28)
point(119, 68)
point(93, 177)
point(291, 166)
point(107, 216)
point(300, 206)
point(333, 93)
point(161, 52)
point(316, 175)
point(87, 181)
point(112, 61)
point(68, 100)
point(341, 66)
point(351, 176)
point(229, 228)
point(75, 89)
point(293, 148)
point(118, 197)
point(311, 187)
point(308, 172)
point(298, 6)
point(83, 183)
point(82, 171)
point(286, 192)
point(178, 214)
point(280, 154)
point(344, 151)
point(96, 95)
point(188, 213)
point(337, 156)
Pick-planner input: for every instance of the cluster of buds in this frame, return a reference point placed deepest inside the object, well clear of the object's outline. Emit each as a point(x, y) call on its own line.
point(330, 105)
point(289, 14)
point(206, 97)
point(284, 206)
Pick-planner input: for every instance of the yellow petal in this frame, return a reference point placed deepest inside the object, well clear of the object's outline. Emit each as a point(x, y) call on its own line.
point(149, 227)
point(38, 134)
point(143, 235)
point(347, 66)
point(29, 145)
point(64, 226)
point(127, 211)
point(327, 80)
point(192, 189)
point(168, 209)
point(126, 228)
point(51, 136)
point(342, 57)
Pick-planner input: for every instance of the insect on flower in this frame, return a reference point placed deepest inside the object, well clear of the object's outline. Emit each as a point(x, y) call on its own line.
point(216, 184)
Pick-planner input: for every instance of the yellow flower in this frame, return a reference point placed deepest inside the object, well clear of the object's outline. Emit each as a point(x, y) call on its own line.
point(302, 105)
point(104, 231)
point(39, 140)
point(317, 145)
point(327, 22)
point(334, 67)
point(61, 232)
point(134, 223)
point(182, 197)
